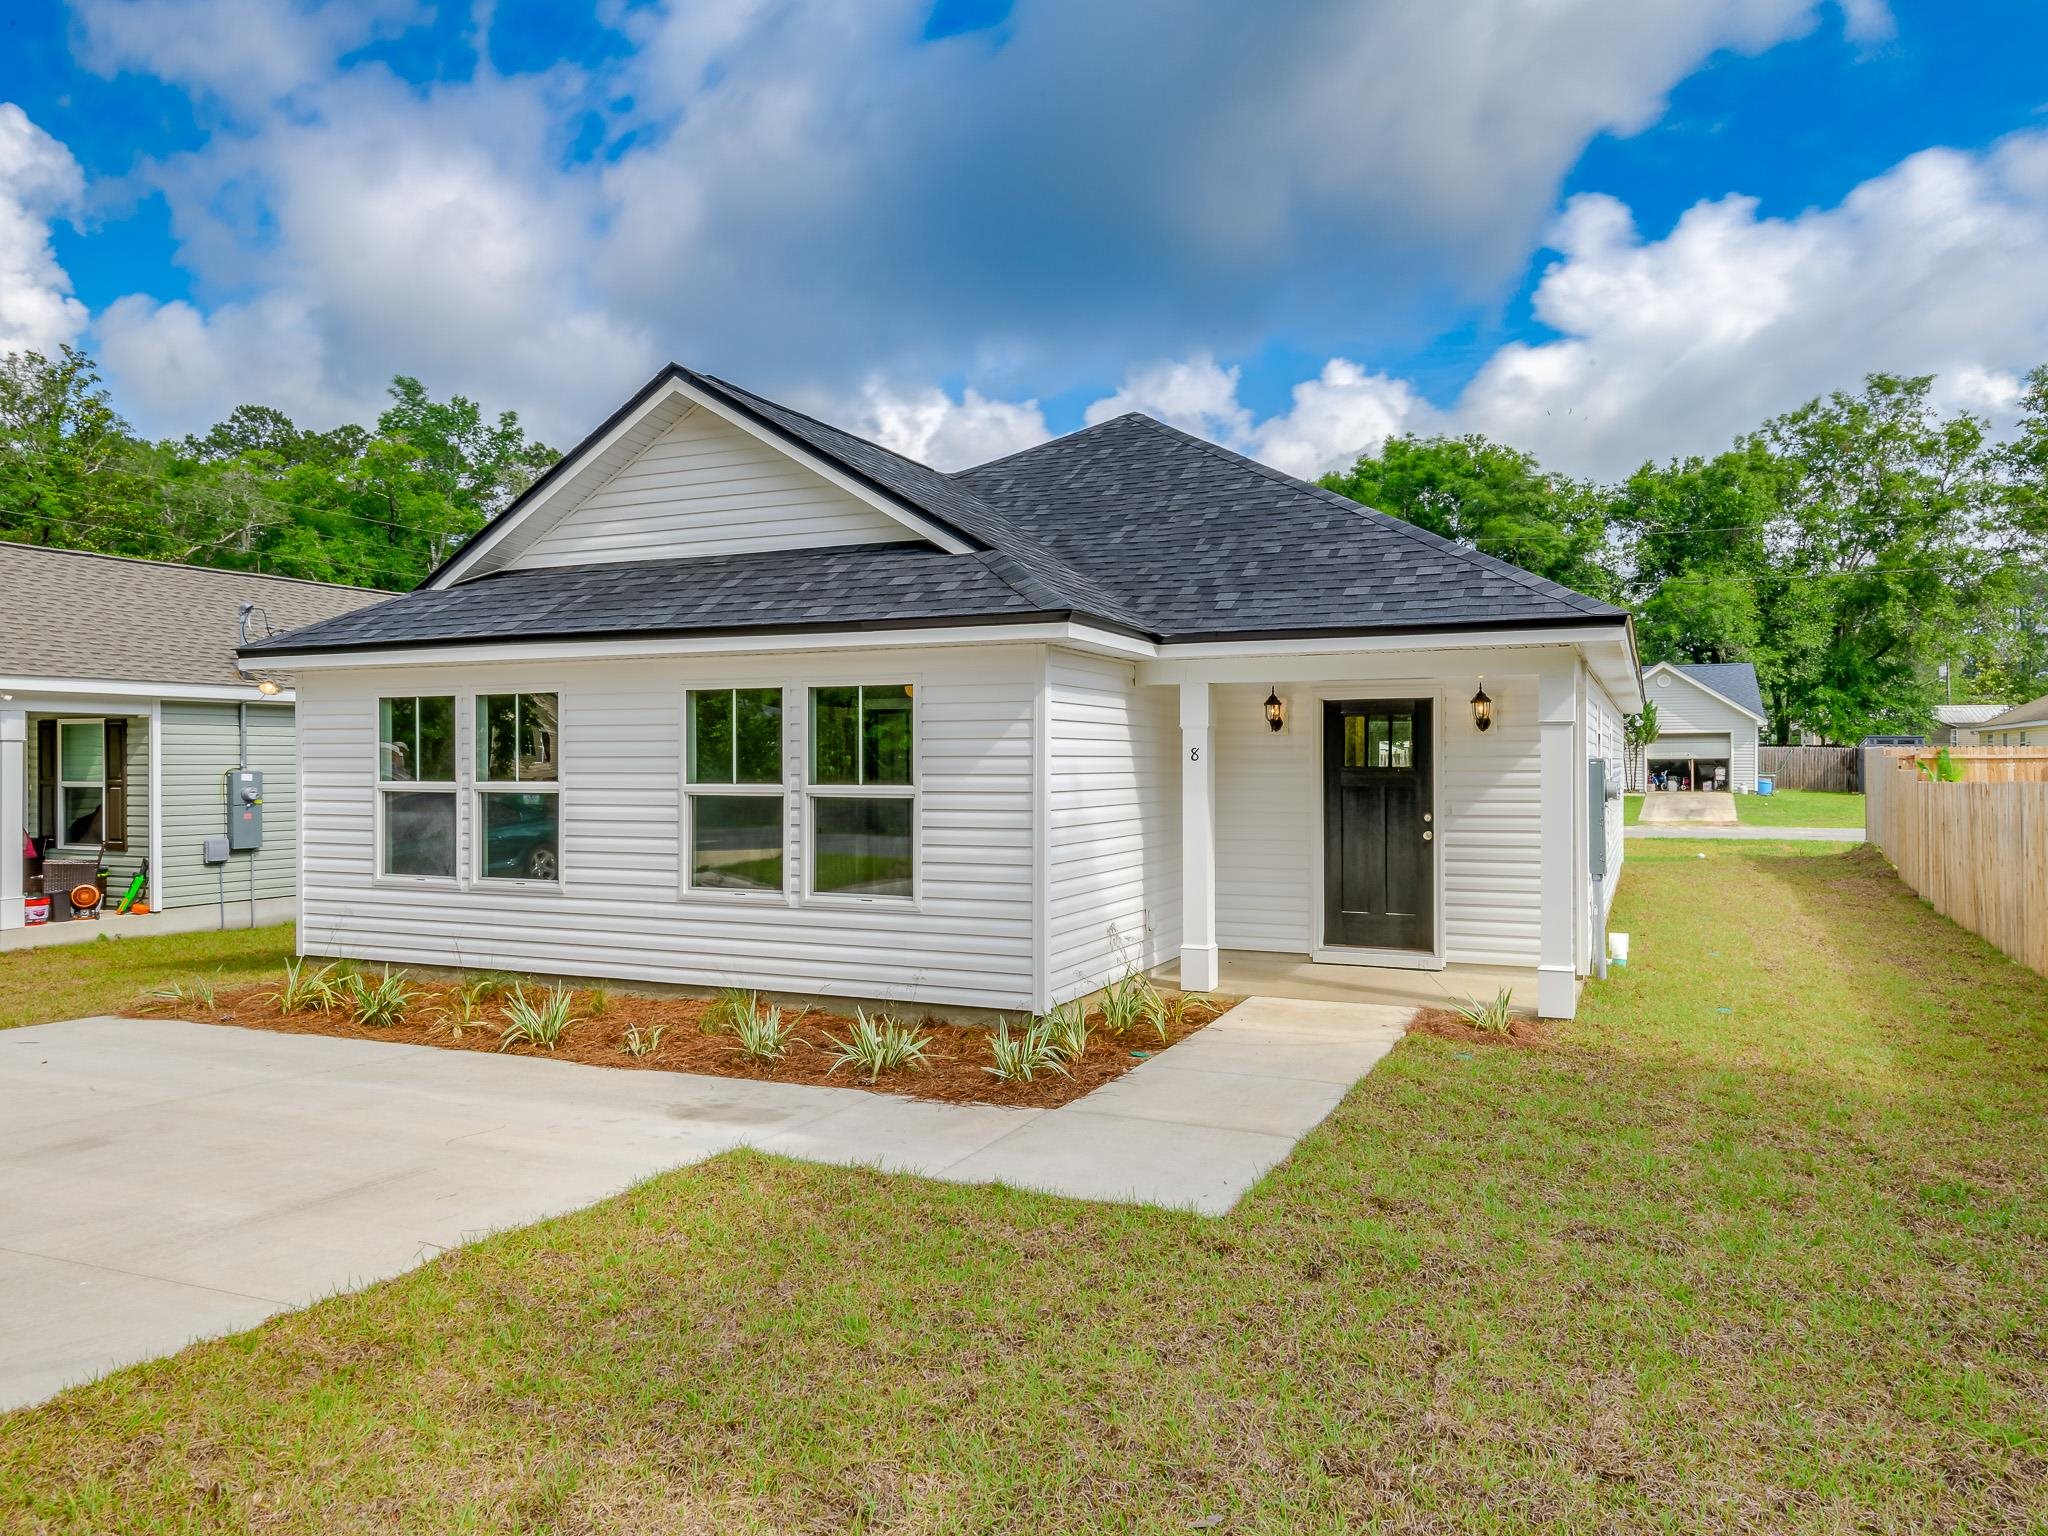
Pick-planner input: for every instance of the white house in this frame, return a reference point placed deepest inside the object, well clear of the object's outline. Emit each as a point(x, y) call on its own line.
point(731, 697)
point(1709, 715)
point(2024, 725)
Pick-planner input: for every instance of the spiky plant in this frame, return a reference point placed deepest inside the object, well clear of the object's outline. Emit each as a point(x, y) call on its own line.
point(875, 1046)
point(303, 990)
point(1018, 1058)
point(378, 1004)
point(542, 1022)
point(726, 1010)
point(1067, 1028)
point(1495, 1018)
point(764, 1034)
point(639, 1042)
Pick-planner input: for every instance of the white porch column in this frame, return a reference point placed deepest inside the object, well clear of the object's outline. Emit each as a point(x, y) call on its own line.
point(13, 805)
point(1557, 991)
point(1198, 963)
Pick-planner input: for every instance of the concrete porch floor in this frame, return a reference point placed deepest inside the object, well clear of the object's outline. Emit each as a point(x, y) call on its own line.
point(1256, 973)
point(269, 909)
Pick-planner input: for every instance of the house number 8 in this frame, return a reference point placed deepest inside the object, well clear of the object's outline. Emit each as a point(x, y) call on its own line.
point(1194, 754)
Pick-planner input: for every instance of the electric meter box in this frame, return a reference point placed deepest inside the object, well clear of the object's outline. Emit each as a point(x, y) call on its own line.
point(245, 809)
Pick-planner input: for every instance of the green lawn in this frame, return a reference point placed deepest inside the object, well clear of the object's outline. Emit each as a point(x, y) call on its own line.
point(68, 981)
point(1785, 808)
point(1760, 1245)
point(1800, 808)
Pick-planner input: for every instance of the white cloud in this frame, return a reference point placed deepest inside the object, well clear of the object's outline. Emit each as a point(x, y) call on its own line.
point(1196, 395)
point(38, 180)
point(1674, 345)
point(932, 427)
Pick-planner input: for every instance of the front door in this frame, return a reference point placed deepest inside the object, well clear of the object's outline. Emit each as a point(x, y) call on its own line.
point(1379, 825)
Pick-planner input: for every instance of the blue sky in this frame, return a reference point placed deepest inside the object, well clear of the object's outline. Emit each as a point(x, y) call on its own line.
point(1606, 231)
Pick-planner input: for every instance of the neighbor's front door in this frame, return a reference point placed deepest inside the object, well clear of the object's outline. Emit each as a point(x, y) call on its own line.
point(1379, 825)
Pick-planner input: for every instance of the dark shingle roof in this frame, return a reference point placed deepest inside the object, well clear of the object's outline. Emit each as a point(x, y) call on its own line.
point(869, 584)
point(111, 618)
point(1205, 543)
point(1731, 679)
point(1130, 523)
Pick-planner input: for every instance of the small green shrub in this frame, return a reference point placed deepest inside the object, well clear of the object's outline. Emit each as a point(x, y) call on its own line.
point(1124, 1003)
point(196, 992)
point(875, 1046)
point(640, 1042)
point(489, 986)
point(1067, 1028)
point(377, 1004)
point(304, 991)
point(727, 1010)
point(764, 1034)
point(597, 1002)
point(1167, 1011)
point(1020, 1058)
point(542, 1024)
point(1495, 1017)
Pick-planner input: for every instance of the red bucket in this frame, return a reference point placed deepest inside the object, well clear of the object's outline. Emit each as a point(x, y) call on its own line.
point(35, 909)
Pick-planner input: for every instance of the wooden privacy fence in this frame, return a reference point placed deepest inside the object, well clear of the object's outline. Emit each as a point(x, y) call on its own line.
point(1835, 768)
point(1977, 850)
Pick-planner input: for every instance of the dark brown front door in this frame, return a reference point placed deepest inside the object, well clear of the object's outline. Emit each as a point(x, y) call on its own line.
point(1379, 825)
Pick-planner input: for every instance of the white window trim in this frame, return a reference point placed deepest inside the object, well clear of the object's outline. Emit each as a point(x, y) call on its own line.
point(63, 821)
point(781, 896)
point(913, 792)
point(479, 786)
point(385, 787)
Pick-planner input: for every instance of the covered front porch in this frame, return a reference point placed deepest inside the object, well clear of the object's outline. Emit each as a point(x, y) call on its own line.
point(79, 791)
point(1396, 821)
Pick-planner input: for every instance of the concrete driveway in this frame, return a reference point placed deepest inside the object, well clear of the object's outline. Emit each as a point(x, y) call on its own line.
point(162, 1181)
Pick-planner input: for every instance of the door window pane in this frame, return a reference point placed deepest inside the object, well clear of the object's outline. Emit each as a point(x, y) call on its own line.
point(861, 847)
point(1354, 741)
point(1376, 742)
point(835, 735)
point(885, 735)
point(736, 842)
point(82, 752)
point(520, 837)
point(1404, 741)
point(419, 833)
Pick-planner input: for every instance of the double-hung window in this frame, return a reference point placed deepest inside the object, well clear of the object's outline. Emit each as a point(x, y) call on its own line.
point(736, 797)
point(518, 789)
point(81, 782)
point(416, 786)
point(863, 791)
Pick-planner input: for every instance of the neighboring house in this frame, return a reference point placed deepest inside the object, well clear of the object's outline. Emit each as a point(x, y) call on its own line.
point(1955, 724)
point(1709, 715)
point(732, 697)
point(122, 710)
point(2026, 725)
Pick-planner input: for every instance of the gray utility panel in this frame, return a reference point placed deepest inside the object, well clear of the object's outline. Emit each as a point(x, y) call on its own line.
point(245, 809)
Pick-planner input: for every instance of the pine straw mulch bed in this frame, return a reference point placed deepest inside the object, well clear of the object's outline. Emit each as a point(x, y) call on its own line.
point(953, 1074)
point(1446, 1025)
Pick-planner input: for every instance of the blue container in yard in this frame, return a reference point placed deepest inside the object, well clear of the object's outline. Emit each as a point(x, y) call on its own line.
point(1763, 786)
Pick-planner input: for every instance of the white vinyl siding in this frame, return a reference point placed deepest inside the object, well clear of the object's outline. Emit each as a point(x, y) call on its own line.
point(200, 746)
point(1269, 813)
point(1604, 739)
point(701, 488)
point(1113, 823)
point(1685, 710)
point(621, 909)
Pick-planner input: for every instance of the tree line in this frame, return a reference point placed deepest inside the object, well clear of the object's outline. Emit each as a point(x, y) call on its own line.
point(1851, 549)
point(1869, 554)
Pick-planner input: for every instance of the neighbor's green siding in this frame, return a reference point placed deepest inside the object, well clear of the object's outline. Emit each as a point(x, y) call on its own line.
point(120, 867)
point(199, 748)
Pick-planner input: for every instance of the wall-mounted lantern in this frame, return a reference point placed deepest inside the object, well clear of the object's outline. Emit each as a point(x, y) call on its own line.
point(269, 687)
point(1276, 712)
point(1482, 708)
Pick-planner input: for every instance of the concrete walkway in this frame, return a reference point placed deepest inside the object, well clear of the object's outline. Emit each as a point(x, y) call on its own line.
point(1690, 807)
point(162, 1181)
point(1756, 834)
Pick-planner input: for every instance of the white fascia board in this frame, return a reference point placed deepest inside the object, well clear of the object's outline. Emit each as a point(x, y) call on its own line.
point(675, 390)
point(1238, 661)
point(1712, 693)
point(1080, 637)
point(133, 696)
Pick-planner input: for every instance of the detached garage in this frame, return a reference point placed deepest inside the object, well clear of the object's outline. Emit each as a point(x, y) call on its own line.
point(1709, 717)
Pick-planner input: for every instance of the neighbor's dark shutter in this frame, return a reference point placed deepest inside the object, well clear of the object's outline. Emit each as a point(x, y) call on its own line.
point(46, 783)
point(117, 786)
